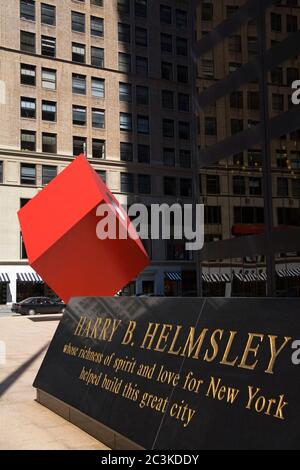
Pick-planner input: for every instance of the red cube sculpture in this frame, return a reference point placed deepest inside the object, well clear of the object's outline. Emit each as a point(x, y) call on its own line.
point(59, 232)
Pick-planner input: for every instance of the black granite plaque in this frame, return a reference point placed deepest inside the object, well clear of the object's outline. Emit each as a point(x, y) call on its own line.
point(181, 373)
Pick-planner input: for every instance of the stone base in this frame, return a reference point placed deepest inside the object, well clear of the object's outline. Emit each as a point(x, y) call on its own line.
point(100, 432)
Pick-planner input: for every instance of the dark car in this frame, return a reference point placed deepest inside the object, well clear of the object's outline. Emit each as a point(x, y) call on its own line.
point(34, 305)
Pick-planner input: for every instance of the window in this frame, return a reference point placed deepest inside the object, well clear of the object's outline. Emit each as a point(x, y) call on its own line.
point(254, 158)
point(97, 3)
point(97, 57)
point(143, 153)
point(140, 8)
point(49, 79)
point(184, 130)
point(185, 160)
point(212, 215)
point(182, 74)
point(124, 6)
point(252, 44)
point(295, 160)
point(169, 186)
point(296, 188)
point(276, 22)
point(141, 37)
point(124, 32)
point(125, 122)
point(210, 126)
point(125, 92)
point(166, 43)
point(143, 124)
point(78, 53)
point(212, 184)
point(98, 87)
point(186, 187)
point(102, 175)
point(169, 156)
point(168, 128)
point(208, 68)
point(142, 95)
point(233, 66)
point(236, 100)
point(97, 26)
point(48, 14)
point(237, 125)
point(167, 98)
point(277, 102)
point(28, 140)
point(1, 172)
point(127, 183)
point(49, 111)
point(28, 74)
point(98, 118)
point(167, 71)
point(291, 23)
point(181, 19)
point(27, 42)
point(181, 46)
point(48, 46)
point(235, 44)
point(282, 187)
point(141, 66)
point(78, 84)
point(79, 115)
point(253, 100)
point(79, 146)
point(207, 11)
point(28, 174)
point(239, 185)
point(98, 148)
point(48, 173)
point(28, 107)
point(183, 102)
point(165, 14)
point(27, 10)
point(255, 186)
point(144, 184)
point(49, 143)
point(126, 152)
point(124, 62)
point(78, 22)
point(277, 76)
point(292, 74)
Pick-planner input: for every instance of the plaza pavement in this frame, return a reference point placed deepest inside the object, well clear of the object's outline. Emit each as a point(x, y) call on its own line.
point(24, 423)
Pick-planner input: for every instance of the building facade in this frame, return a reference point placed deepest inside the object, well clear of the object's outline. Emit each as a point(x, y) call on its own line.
point(247, 55)
point(112, 79)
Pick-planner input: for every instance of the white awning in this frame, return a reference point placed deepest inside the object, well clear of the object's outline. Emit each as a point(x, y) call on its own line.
point(175, 276)
point(215, 277)
point(289, 272)
point(4, 278)
point(33, 278)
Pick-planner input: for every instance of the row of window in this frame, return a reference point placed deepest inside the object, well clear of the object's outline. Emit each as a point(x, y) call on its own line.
point(289, 161)
point(141, 39)
point(236, 125)
point(253, 101)
point(207, 14)
point(48, 49)
point(251, 215)
point(142, 97)
point(48, 17)
point(129, 182)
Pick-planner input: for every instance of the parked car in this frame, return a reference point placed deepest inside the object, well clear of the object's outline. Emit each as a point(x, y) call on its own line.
point(34, 305)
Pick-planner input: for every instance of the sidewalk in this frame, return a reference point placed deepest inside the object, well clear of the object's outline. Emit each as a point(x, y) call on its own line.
point(24, 424)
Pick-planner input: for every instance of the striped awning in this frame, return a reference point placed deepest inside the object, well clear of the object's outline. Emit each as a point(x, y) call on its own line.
point(251, 276)
point(33, 278)
point(175, 276)
point(4, 278)
point(215, 277)
point(289, 272)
